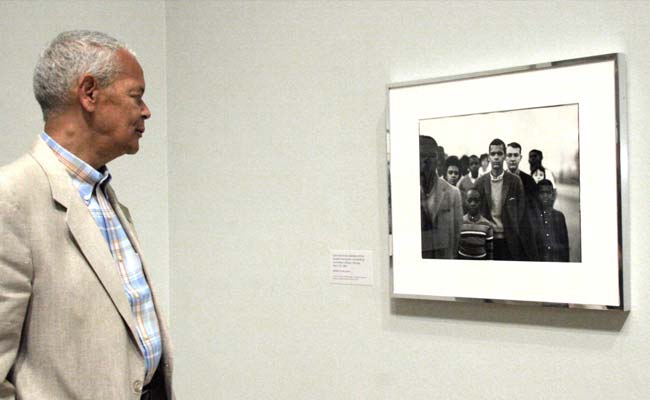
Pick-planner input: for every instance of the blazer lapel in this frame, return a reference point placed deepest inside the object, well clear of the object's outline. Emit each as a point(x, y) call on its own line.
point(486, 203)
point(85, 231)
point(95, 249)
point(505, 187)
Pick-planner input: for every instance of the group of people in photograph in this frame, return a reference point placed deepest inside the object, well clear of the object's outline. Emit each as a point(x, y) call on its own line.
point(486, 208)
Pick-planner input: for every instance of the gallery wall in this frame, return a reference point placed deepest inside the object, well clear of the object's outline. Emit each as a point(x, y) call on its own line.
point(269, 129)
point(276, 147)
point(140, 181)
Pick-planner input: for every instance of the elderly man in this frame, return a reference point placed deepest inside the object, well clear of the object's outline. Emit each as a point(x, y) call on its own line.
point(441, 214)
point(78, 319)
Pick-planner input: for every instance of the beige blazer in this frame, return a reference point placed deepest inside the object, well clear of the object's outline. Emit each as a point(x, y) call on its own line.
point(66, 327)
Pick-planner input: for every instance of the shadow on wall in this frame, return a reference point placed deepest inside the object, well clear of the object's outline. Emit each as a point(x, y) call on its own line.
point(533, 314)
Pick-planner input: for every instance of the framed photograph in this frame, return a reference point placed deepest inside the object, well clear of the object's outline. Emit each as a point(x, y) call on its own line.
point(511, 186)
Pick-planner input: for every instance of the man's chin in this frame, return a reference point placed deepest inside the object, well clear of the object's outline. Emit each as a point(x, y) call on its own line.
point(133, 148)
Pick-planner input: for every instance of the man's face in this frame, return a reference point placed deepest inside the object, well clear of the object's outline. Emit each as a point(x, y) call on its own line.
point(513, 158)
point(496, 156)
point(428, 155)
point(473, 201)
point(474, 166)
point(534, 159)
point(120, 113)
point(428, 158)
point(546, 197)
point(452, 175)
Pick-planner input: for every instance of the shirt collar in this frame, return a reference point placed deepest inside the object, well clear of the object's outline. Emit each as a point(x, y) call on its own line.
point(78, 169)
point(497, 178)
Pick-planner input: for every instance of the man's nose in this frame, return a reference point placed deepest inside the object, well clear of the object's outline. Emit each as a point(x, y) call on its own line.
point(146, 112)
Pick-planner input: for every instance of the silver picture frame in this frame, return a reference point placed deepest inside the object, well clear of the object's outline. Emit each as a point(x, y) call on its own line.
point(572, 109)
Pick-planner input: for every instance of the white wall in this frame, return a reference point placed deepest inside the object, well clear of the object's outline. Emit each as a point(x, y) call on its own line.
point(140, 181)
point(276, 138)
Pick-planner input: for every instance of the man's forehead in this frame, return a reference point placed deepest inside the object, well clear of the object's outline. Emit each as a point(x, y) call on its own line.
point(513, 150)
point(495, 147)
point(130, 67)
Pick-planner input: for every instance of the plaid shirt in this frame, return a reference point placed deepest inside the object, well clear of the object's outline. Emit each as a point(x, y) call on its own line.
point(91, 185)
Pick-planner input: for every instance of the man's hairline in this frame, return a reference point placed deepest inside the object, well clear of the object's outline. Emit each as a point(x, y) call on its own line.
point(514, 147)
point(119, 69)
point(497, 144)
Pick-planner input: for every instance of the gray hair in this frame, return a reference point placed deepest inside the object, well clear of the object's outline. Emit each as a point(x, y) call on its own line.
point(70, 55)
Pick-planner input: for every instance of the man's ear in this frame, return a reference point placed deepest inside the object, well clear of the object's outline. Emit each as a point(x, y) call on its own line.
point(87, 92)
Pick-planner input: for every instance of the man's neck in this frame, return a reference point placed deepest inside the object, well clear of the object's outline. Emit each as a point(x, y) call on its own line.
point(76, 140)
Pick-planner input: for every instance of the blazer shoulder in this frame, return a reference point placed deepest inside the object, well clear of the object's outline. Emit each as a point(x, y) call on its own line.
point(559, 215)
point(511, 179)
point(507, 175)
point(524, 176)
point(25, 165)
point(14, 176)
point(452, 192)
point(526, 179)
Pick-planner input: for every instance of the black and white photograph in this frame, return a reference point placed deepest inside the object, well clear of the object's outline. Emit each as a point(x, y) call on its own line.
point(508, 185)
point(501, 185)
